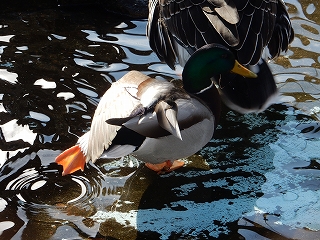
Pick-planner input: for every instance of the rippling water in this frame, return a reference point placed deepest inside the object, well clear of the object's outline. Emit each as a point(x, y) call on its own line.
point(257, 179)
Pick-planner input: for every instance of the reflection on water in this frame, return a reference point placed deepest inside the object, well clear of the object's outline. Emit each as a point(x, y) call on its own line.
point(257, 179)
point(298, 71)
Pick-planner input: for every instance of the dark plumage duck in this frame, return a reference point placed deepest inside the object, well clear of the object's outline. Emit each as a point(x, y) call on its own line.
point(176, 28)
point(155, 120)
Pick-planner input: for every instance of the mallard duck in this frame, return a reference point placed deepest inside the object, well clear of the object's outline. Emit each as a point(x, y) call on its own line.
point(176, 28)
point(153, 119)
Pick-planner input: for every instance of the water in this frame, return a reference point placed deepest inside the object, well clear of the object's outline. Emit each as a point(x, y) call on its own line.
point(257, 179)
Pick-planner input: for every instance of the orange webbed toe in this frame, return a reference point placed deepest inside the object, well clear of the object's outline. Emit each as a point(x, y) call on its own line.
point(166, 166)
point(71, 160)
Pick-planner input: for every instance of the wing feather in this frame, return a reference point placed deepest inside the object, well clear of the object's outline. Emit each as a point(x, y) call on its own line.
point(101, 134)
point(247, 26)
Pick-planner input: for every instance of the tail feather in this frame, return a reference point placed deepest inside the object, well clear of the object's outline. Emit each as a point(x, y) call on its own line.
point(71, 160)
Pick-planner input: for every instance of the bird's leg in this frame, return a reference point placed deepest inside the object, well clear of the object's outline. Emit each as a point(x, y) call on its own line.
point(166, 166)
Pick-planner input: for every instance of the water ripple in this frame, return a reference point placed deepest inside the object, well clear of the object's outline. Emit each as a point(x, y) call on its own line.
point(56, 65)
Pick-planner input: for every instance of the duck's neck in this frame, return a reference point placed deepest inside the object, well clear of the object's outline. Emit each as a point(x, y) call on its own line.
point(212, 99)
point(204, 64)
point(196, 81)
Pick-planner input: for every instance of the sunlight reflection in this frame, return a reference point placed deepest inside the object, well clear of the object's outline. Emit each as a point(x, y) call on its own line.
point(13, 131)
point(8, 76)
point(45, 84)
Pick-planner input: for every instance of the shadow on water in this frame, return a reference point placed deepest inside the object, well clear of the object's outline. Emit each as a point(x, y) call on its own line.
point(216, 194)
point(257, 179)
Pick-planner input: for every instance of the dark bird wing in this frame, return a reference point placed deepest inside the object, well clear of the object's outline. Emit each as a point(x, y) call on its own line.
point(246, 27)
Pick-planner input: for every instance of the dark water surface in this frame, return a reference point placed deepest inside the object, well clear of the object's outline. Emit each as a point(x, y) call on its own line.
point(257, 179)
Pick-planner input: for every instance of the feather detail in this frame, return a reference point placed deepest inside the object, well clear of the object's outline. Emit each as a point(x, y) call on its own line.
point(246, 26)
point(151, 90)
point(167, 118)
point(102, 134)
point(146, 126)
point(117, 151)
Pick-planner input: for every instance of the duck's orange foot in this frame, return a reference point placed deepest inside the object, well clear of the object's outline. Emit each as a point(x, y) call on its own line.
point(71, 160)
point(166, 166)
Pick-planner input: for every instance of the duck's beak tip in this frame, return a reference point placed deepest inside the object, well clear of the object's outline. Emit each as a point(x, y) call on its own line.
point(242, 70)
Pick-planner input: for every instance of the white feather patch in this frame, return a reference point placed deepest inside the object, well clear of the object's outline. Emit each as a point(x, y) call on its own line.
point(154, 91)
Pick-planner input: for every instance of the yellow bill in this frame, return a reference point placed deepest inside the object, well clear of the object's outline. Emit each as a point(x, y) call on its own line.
point(243, 71)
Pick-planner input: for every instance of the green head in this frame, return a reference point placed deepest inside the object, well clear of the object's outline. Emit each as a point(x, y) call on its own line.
point(207, 61)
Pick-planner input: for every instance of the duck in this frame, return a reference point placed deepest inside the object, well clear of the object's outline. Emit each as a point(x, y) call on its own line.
point(156, 121)
point(255, 31)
